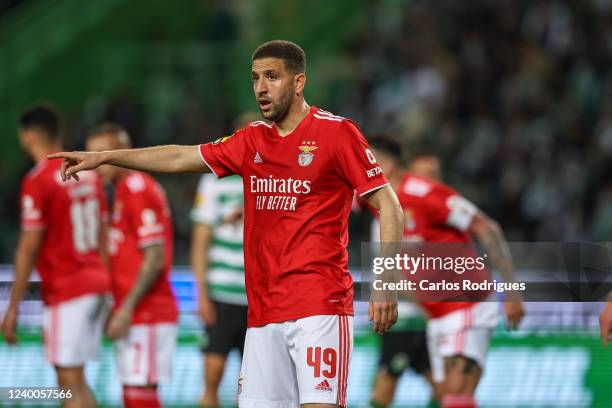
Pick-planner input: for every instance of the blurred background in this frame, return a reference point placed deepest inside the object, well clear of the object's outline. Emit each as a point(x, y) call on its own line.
point(516, 96)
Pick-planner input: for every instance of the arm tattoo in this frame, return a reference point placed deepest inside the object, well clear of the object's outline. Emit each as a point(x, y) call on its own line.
point(150, 271)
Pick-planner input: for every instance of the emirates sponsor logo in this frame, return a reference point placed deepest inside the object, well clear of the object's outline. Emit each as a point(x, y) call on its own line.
point(272, 184)
point(278, 193)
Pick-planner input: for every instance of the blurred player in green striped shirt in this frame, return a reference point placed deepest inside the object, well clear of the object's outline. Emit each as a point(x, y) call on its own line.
point(218, 263)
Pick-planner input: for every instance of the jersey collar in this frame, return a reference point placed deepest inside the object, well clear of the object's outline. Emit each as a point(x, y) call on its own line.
point(299, 128)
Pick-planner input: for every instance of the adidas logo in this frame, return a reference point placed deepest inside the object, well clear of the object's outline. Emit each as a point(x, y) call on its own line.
point(257, 158)
point(323, 386)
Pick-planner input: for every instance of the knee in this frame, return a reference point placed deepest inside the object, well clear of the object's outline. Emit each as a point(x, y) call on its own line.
point(462, 375)
point(462, 365)
point(214, 366)
point(70, 377)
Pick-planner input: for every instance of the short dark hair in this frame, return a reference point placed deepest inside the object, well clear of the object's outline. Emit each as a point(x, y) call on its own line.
point(292, 54)
point(43, 118)
point(387, 145)
point(111, 128)
point(421, 152)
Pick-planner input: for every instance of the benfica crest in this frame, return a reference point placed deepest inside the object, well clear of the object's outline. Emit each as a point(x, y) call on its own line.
point(305, 158)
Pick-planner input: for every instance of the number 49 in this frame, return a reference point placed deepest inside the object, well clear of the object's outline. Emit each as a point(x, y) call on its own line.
point(313, 358)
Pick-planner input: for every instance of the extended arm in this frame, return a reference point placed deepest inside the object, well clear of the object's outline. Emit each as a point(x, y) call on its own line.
point(25, 258)
point(150, 271)
point(384, 313)
point(103, 240)
point(490, 234)
point(201, 237)
point(159, 159)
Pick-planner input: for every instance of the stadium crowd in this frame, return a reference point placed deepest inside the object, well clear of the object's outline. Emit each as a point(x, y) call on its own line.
point(514, 95)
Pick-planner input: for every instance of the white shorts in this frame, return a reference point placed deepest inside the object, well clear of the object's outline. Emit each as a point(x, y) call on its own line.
point(73, 330)
point(144, 356)
point(464, 332)
point(296, 362)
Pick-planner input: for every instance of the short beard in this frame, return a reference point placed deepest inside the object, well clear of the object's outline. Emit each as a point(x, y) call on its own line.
point(280, 109)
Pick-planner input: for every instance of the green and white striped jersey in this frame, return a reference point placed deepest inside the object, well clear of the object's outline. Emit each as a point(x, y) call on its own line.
point(216, 199)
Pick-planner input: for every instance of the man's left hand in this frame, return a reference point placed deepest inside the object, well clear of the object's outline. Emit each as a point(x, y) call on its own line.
point(119, 324)
point(382, 314)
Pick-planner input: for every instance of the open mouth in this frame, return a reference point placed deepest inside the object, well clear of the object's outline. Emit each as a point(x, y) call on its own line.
point(264, 104)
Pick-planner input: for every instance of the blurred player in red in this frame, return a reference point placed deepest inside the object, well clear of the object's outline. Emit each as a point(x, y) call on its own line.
point(143, 322)
point(299, 174)
point(405, 345)
point(61, 234)
point(458, 332)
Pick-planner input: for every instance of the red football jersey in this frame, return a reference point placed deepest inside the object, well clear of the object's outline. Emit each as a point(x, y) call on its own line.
point(298, 191)
point(434, 212)
point(70, 213)
point(141, 217)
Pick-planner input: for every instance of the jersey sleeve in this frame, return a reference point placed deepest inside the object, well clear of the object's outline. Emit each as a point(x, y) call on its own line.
point(33, 205)
point(205, 209)
point(451, 209)
point(356, 162)
point(146, 212)
point(224, 156)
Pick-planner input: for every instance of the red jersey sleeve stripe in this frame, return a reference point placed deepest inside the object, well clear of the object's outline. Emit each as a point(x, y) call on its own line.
point(151, 241)
point(32, 225)
point(201, 150)
point(371, 186)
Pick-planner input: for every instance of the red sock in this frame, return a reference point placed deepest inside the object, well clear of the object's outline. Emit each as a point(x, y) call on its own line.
point(458, 401)
point(140, 397)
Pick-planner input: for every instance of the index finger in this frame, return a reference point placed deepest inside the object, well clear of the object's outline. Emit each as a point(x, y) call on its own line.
point(375, 318)
point(604, 331)
point(382, 321)
point(392, 317)
point(63, 170)
point(60, 155)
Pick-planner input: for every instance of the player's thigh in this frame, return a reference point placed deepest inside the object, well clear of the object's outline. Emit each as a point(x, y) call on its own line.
point(73, 330)
point(436, 358)
point(239, 327)
point(165, 345)
point(394, 353)
point(418, 353)
point(471, 343)
point(463, 332)
point(267, 376)
point(217, 337)
point(321, 349)
point(228, 332)
point(144, 355)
